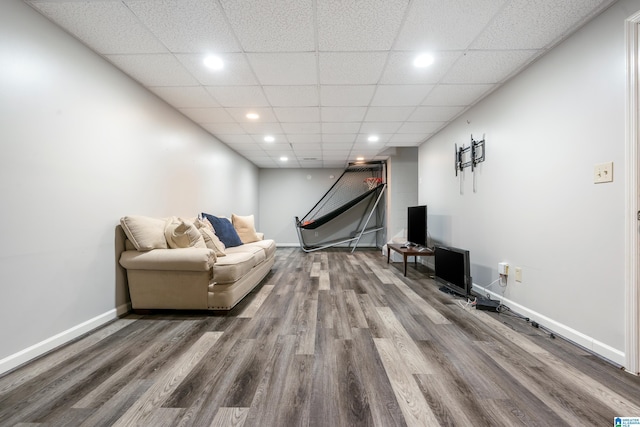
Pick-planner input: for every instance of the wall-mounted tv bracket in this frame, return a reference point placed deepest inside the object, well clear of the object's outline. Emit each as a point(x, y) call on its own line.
point(469, 156)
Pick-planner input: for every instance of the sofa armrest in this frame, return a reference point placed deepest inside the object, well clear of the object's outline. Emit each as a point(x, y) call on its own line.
point(260, 235)
point(182, 259)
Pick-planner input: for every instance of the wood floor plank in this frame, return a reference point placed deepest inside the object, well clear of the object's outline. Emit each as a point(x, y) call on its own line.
point(165, 385)
point(357, 344)
point(257, 301)
point(415, 408)
point(411, 356)
point(230, 417)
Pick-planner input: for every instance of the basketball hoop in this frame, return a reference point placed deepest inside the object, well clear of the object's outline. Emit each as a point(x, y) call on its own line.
point(373, 182)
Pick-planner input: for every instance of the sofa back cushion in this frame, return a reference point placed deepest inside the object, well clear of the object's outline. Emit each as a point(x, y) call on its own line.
point(245, 227)
point(224, 230)
point(182, 234)
point(144, 232)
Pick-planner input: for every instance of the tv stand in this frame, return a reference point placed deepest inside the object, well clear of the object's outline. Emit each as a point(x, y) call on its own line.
point(414, 251)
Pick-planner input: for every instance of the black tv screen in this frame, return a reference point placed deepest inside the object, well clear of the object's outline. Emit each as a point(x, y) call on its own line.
point(417, 225)
point(453, 269)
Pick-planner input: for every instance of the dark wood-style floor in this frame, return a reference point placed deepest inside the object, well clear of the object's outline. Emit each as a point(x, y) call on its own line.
point(329, 339)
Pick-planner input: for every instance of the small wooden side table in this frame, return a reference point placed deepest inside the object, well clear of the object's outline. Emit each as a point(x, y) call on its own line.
point(407, 251)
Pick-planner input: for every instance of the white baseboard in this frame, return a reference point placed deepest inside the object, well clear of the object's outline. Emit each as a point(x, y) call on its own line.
point(36, 350)
point(614, 355)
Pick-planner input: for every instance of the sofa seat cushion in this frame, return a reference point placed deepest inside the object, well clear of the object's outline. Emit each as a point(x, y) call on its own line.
point(233, 266)
point(268, 245)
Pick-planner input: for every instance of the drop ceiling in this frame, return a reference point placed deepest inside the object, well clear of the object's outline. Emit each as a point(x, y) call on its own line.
point(323, 75)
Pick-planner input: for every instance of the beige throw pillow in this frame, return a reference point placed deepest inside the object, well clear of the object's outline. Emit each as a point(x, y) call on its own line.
point(244, 226)
point(144, 232)
point(212, 241)
point(182, 234)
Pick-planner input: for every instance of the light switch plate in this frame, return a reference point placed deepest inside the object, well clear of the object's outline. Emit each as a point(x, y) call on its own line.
point(603, 172)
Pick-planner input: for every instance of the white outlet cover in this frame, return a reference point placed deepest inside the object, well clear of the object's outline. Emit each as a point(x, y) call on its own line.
point(603, 172)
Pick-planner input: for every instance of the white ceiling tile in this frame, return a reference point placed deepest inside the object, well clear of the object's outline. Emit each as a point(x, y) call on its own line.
point(292, 96)
point(376, 128)
point(297, 114)
point(539, 23)
point(342, 114)
point(363, 142)
point(236, 71)
point(326, 147)
point(407, 138)
point(420, 127)
point(225, 129)
point(240, 114)
point(272, 26)
point(234, 139)
point(388, 114)
point(351, 68)
point(400, 95)
point(304, 139)
point(207, 115)
point(341, 128)
point(488, 66)
point(323, 74)
point(284, 68)
point(444, 25)
point(279, 138)
point(400, 68)
point(277, 147)
point(186, 26)
point(358, 25)
point(154, 69)
point(262, 128)
point(435, 114)
point(239, 96)
point(339, 137)
point(456, 95)
point(106, 27)
point(302, 128)
point(346, 96)
point(189, 96)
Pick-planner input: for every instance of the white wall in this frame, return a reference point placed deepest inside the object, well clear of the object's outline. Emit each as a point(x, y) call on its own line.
point(535, 204)
point(402, 170)
point(83, 145)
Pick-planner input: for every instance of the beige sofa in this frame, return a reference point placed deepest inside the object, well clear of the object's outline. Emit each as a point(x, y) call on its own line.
point(171, 266)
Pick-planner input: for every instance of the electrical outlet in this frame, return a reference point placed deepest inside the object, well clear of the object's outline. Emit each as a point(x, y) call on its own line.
point(518, 274)
point(603, 172)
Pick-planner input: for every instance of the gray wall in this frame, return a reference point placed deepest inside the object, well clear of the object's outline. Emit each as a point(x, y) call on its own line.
point(535, 204)
point(83, 145)
point(287, 193)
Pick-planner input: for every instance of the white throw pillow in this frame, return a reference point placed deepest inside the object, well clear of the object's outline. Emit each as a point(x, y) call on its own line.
point(212, 241)
point(144, 232)
point(182, 234)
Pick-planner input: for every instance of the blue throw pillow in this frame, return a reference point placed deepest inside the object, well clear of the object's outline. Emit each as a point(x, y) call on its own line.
point(224, 230)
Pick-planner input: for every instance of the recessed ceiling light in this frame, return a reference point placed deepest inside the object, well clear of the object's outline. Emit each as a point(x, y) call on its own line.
point(253, 116)
point(213, 62)
point(423, 60)
point(373, 138)
point(269, 138)
point(284, 158)
point(359, 159)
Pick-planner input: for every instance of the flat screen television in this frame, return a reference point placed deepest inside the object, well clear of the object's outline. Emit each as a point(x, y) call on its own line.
point(417, 225)
point(453, 270)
